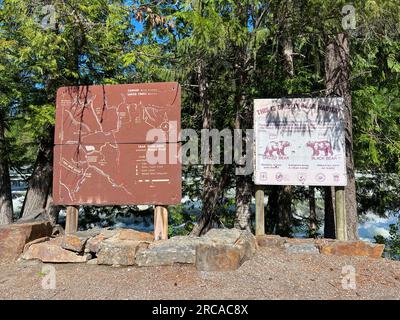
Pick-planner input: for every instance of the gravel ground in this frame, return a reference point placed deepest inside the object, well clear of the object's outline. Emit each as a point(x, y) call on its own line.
point(270, 274)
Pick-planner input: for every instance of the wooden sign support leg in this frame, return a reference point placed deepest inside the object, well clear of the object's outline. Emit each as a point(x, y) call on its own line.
point(260, 219)
point(340, 213)
point(71, 223)
point(160, 223)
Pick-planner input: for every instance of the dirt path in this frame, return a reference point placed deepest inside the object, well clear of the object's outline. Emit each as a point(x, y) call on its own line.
point(269, 275)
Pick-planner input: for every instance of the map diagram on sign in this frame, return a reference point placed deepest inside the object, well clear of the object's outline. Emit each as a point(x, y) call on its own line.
point(101, 145)
point(300, 142)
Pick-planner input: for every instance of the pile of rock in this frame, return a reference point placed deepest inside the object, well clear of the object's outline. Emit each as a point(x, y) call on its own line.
point(110, 247)
point(322, 246)
point(15, 237)
point(218, 250)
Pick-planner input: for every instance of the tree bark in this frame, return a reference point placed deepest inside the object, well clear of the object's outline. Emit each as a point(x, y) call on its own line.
point(6, 205)
point(337, 71)
point(288, 56)
point(211, 188)
point(39, 194)
point(285, 221)
point(244, 195)
point(244, 184)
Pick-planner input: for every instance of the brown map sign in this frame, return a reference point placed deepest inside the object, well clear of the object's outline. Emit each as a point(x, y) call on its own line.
point(101, 145)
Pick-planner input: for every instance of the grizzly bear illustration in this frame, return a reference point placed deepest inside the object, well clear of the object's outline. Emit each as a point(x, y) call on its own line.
point(319, 147)
point(277, 147)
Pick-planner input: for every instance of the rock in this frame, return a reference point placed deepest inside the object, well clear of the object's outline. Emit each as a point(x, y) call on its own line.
point(40, 240)
point(93, 232)
point(223, 236)
point(14, 237)
point(183, 249)
point(132, 235)
point(52, 253)
point(93, 244)
point(247, 245)
point(120, 252)
point(56, 241)
point(74, 243)
point(228, 251)
point(92, 262)
point(293, 248)
point(353, 248)
point(217, 257)
point(271, 241)
point(166, 253)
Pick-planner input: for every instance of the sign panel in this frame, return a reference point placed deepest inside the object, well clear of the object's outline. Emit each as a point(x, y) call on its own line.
point(300, 142)
point(101, 151)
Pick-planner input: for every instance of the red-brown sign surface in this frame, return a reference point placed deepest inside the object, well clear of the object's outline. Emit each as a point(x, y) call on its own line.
point(101, 146)
point(115, 113)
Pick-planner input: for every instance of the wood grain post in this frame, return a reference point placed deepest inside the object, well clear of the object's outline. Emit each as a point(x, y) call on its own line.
point(340, 213)
point(260, 219)
point(160, 223)
point(71, 222)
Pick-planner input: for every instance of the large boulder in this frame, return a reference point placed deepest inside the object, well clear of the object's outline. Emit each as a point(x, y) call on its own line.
point(217, 257)
point(14, 237)
point(228, 250)
point(223, 236)
point(74, 242)
point(247, 244)
point(183, 250)
point(175, 250)
point(352, 248)
point(119, 252)
point(52, 252)
point(93, 244)
point(271, 241)
point(98, 236)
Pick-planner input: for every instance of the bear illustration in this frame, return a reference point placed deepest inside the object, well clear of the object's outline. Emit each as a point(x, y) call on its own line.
point(319, 147)
point(277, 147)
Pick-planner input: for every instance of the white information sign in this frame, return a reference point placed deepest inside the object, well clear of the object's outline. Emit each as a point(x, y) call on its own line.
point(300, 142)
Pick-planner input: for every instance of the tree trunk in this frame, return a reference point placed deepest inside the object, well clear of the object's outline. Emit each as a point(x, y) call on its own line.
point(329, 219)
point(244, 183)
point(285, 221)
point(337, 70)
point(6, 205)
point(211, 191)
point(39, 194)
point(244, 195)
point(284, 225)
point(287, 52)
point(313, 213)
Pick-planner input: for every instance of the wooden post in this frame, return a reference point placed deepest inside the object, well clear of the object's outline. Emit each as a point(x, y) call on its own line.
point(340, 213)
point(71, 222)
point(160, 223)
point(260, 220)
